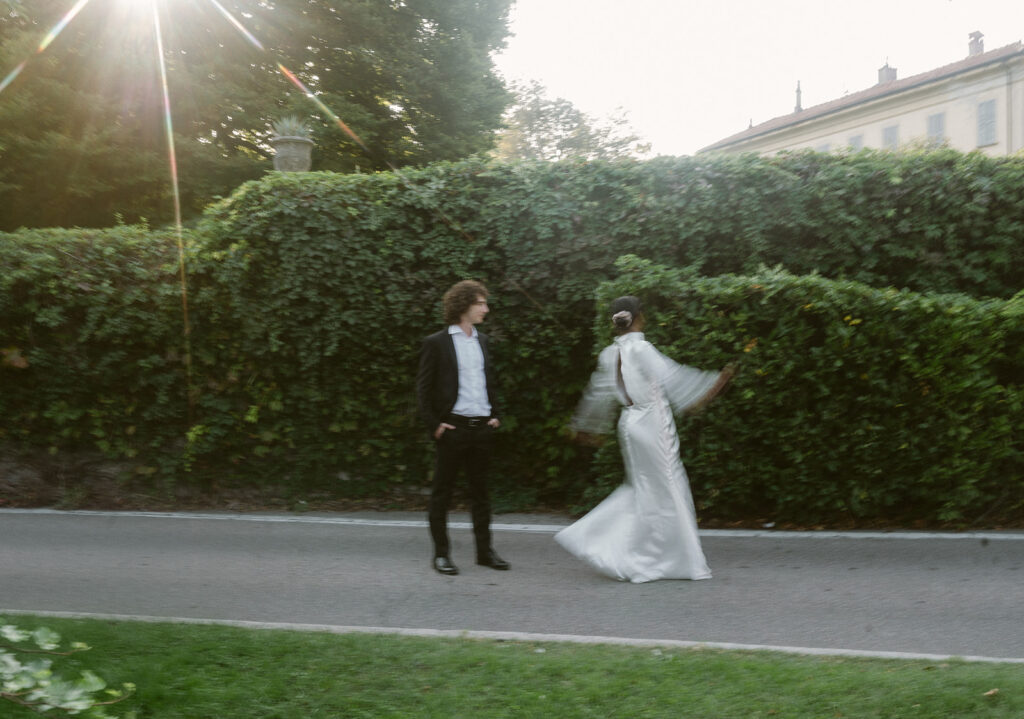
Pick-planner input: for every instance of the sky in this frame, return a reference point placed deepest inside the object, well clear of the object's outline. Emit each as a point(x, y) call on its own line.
point(691, 72)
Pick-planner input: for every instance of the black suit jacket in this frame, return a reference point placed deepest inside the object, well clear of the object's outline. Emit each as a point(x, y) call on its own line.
point(437, 381)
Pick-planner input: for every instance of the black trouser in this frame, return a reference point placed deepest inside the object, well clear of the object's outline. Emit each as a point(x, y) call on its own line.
point(467, 447)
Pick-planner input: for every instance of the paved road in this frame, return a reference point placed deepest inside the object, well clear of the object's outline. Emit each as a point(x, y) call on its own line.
point(959, 595)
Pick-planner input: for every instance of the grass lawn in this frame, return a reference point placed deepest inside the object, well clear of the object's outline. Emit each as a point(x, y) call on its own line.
point(199, 672)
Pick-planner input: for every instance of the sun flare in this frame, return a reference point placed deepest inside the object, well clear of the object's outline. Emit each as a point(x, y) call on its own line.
point(131, 16)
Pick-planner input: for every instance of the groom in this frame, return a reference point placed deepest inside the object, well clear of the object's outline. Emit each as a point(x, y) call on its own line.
point(456, 395)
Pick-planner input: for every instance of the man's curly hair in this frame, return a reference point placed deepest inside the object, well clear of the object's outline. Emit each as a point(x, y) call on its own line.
point(460, 297)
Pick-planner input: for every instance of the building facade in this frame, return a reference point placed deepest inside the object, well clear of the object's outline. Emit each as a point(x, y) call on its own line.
point(974, 104)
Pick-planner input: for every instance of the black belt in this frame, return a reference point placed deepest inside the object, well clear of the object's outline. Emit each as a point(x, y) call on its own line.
point(467, 422)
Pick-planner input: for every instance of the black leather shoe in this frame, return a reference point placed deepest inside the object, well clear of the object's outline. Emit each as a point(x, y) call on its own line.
point(492, 560)
point(445, 566)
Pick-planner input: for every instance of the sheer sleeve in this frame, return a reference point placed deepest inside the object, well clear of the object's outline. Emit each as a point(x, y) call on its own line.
point(685, 387)
point(596, 411)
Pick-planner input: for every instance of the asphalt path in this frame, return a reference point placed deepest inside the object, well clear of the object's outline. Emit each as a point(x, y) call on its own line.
point(920, 593)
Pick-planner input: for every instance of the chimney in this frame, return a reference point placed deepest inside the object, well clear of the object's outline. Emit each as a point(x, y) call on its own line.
point(886, 74)
point(798, 107)
point(977, 45)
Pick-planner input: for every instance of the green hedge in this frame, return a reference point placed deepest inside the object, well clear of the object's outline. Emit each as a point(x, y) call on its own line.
point(91, 332)
point(851, 402)
point(310, 294)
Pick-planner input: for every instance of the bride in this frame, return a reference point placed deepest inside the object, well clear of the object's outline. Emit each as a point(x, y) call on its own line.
point(647, 528)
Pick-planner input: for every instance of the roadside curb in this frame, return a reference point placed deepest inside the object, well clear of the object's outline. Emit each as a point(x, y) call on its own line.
point(531, 525)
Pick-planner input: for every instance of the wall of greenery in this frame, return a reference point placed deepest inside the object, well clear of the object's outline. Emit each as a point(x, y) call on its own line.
point(309, 295)
point(91, 336)
point(851, 402)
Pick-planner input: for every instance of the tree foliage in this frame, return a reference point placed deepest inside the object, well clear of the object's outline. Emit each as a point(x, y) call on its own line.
point(416, 77)
point(70, 154)
point(541, 128)
point(81, 128)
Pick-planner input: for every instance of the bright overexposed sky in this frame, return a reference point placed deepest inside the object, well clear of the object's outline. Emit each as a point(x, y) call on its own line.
point(691, 72)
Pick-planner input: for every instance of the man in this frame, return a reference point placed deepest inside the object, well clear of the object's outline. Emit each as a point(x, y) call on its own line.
point(456, 394)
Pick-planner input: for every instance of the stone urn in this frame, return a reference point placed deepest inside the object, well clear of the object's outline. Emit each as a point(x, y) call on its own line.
point(293, 149)
point(292, 154)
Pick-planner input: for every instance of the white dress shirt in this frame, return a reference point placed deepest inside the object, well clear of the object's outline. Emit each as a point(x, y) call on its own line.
point(472, 400)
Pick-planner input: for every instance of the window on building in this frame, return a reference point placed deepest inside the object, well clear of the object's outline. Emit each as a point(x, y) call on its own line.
point(891, 137)
point(856, 142)
point(986, 123)
point(937, 128)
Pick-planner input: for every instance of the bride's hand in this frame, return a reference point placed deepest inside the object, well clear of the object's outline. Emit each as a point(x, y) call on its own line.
point(724, 379)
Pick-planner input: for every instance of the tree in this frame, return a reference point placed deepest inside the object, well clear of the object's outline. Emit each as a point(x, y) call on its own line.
point(539, 128)
point(81, 128)
point(64, 151)
point(413, 78)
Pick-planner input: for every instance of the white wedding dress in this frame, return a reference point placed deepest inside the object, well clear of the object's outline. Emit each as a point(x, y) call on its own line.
point(647, 528)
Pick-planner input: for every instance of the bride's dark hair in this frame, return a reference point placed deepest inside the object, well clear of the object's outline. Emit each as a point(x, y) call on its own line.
point(626, 311)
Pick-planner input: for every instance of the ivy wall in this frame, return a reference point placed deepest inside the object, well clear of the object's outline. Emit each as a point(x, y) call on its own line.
point(309, 295)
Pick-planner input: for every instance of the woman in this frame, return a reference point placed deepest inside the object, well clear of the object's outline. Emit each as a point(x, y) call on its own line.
point(647, 528)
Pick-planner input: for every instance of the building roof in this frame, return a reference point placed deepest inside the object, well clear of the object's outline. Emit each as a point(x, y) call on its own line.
point(873, 93)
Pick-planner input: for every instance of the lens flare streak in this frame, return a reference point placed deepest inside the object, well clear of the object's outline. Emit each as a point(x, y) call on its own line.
point(12, 74)
point(238, 26)
point(173, 162)
point(293, 78)
point(326, 110)
point(59, 27)
point(45, 43)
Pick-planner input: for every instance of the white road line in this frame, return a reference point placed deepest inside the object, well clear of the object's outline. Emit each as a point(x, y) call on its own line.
point(521, 637)
point(525, 527)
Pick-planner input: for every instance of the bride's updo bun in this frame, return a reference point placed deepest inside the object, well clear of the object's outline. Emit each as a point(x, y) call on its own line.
point(625, 312)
